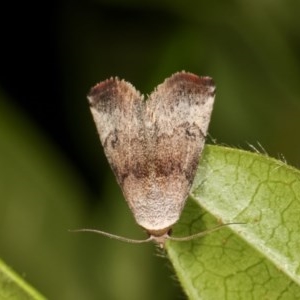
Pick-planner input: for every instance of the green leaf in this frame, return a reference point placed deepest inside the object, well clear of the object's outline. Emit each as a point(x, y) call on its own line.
point(12, 287)
point(256, 260)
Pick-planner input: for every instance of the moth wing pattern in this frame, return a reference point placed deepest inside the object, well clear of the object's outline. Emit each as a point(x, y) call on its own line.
point(154, 146)
point(176, 122)
point(116, 107)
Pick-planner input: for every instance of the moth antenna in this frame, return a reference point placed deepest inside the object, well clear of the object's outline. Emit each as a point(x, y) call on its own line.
point(200, 234)
point(113, 236)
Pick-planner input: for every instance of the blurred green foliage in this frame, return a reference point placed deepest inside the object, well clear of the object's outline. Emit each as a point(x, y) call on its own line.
point(250, 48)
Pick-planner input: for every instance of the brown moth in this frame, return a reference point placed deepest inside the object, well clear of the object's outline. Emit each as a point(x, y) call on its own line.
point(154, 145)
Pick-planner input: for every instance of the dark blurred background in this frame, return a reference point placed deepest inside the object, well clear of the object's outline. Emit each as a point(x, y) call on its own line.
point(53, 173)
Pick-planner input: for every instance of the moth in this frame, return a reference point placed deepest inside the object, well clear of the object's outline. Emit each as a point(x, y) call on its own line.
point(154, 145)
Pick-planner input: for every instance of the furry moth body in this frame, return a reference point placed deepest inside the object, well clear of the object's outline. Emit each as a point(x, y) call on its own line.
point(153, 145)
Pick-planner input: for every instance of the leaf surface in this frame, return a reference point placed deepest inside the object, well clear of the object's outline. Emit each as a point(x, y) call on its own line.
point(13, 287)
point(256, 260)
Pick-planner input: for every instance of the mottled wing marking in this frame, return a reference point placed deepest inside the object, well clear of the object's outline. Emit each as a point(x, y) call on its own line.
point(154, 146)
point(176, 121)
point(116, 107)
